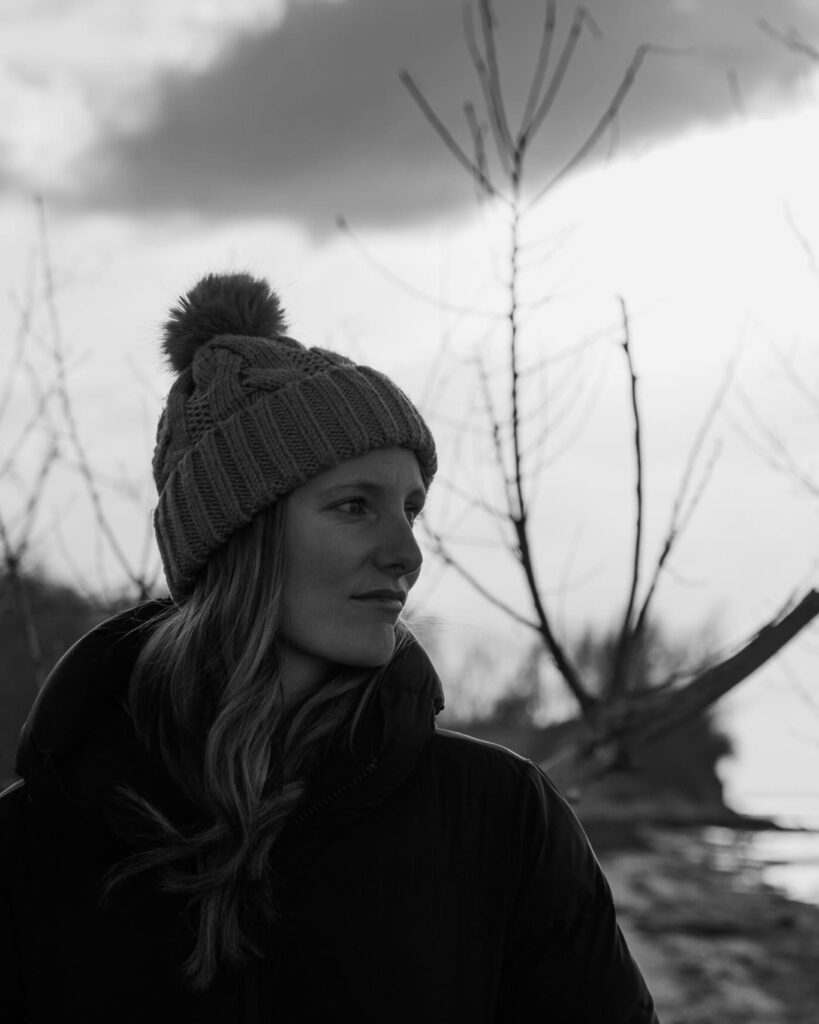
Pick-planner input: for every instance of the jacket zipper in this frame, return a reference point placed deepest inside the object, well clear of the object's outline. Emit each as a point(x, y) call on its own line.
point(254, 983)
point(319, 805)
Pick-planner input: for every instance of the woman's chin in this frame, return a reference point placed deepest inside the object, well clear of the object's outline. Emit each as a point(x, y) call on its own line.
point(371, 651)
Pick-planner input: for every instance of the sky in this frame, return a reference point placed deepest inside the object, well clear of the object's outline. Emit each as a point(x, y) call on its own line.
point(144, 145)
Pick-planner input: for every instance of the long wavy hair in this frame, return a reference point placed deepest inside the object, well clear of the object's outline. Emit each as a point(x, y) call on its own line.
point(206, 697)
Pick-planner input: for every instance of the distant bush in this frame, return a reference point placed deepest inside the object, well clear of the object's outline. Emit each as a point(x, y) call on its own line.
point(60, 615)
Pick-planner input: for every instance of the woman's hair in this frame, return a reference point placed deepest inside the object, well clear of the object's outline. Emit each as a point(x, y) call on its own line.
point(207, 698)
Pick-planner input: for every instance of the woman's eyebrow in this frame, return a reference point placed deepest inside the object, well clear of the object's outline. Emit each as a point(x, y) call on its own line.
point(371, 487)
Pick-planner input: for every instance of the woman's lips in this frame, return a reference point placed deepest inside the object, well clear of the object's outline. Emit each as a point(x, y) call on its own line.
point(389, 604)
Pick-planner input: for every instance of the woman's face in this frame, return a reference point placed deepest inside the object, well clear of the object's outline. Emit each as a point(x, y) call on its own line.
point(351, 558)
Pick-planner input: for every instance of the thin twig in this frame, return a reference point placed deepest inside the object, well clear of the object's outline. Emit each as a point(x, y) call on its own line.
point(776, 454)
point(556, 650)
point(796, 380)
point(678, 521)
point(801, 239)
point(574, 350)
point(478, 143)
point(11, 369)
point(541, 66)
point(388, 275)
point(581, 18)
point(65, 402)
point(36, 494)
point(497, 441)
point(491, 94)
point(736, 94)
point(442, 552)
point(696, 497)
point(488, 23)
point(473, 501)
point(446, 136)
point(15, 448)
point(582, 415)
point(606, 118)
point(791, 39)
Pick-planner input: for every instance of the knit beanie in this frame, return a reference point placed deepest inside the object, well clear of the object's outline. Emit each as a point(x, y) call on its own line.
point(252, 414)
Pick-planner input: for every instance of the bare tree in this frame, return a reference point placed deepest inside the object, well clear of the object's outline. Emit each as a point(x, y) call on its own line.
point(44, 441)
point(618, 716)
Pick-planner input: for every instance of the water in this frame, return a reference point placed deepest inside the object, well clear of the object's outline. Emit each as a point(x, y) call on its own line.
point(788, 860)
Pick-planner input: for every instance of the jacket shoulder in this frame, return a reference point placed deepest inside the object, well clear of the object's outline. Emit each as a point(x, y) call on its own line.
point(513, 788)
point(467, 762)
point(479, 753)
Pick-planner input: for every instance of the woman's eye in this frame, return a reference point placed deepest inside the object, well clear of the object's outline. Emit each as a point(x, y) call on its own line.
point(355, 506)
point(360, 507)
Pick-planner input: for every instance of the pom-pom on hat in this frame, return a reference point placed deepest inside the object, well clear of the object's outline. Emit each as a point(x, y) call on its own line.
point(254, 414)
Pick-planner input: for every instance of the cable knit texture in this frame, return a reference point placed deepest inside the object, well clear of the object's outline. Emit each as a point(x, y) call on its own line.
point(249, 419)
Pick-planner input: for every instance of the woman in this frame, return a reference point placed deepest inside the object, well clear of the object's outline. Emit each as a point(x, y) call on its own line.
point(235, 804)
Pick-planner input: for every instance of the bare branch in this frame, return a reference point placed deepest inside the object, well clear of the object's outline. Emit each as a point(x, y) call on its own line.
point(567, 352)
point(489, 83)
point(735, 91)
point(802, 240)
point(573, 405)
point(78, 582)
point(546, 38)
point(581, 18)
point(628, 637)
point(478, 144)
point(36, 494)
point(473, 501)
point(791, 39)
point(707, 688)
point(805, 695)
point(66, 406)
point(640, 717)
point(796, 380)
point(776, 454)
point(607, 117)
point(514, 374)
point(678, 521)
point(15, 448)
point(10, 371)
point(685, 516)
point(388, 275)
point(558, 654)
point(494, 423)
point(442, 552)
point(446, 136)
point(488, 23)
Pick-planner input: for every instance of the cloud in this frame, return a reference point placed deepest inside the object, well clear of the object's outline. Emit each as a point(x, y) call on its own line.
point(307, 119)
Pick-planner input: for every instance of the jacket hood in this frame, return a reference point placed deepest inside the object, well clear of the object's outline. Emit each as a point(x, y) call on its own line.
point(78, 744)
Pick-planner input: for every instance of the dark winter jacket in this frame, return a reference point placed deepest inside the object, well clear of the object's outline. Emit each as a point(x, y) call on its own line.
point(430, 878)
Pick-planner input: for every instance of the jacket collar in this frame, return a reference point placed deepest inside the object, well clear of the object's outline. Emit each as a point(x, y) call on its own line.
point(351, 784)
point(78, 744)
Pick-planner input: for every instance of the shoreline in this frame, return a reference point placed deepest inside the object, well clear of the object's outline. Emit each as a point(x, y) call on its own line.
point(714, 941)
point(611, 832)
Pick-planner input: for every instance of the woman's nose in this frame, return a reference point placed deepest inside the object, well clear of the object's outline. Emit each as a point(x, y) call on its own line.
point(399, 552)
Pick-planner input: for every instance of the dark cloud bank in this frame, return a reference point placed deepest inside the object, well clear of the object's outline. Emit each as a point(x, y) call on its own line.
point(310, 120)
